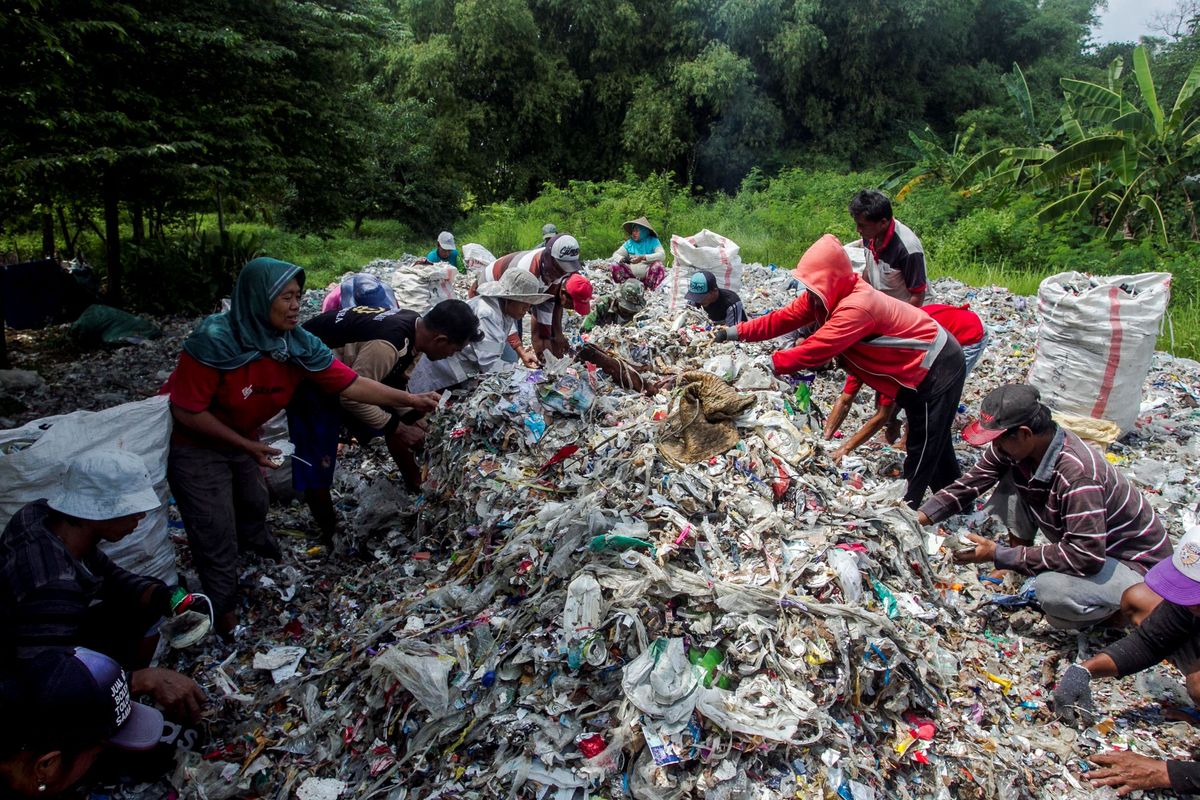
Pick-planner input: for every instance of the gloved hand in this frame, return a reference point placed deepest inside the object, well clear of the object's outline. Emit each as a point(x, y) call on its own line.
point(1073, 696)
point(725, 335)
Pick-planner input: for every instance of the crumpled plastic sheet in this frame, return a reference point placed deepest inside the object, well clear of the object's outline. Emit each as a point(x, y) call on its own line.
point(439, 660)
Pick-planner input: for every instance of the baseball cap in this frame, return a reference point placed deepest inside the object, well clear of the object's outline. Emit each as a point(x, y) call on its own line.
point(701, 284)
point(446, 241)
point(81, 696)
point(565, 250)
point(1177, 578)
point(631, 296)
point(106, 484)
point(549, 230)
point(1007, 407)
point(579, 289)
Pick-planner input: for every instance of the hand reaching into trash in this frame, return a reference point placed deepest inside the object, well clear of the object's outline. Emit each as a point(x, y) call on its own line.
point(1128, 772)
point(724, 335)
point(426, 402)
point(529, 359)
point(263, 453)
point(1073, 696)
point(180, 696)
point(406, 436)
point(984, 551)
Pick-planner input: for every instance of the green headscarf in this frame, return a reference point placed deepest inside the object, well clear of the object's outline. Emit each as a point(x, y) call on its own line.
point(244, 333)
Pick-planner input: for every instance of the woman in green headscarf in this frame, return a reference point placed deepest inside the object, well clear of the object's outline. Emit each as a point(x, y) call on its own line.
point(238, 370)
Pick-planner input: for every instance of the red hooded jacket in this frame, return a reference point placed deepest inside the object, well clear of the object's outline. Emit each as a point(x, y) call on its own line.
point(888, 344)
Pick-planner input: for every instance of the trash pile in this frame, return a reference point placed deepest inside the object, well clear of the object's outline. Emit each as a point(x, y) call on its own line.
point(574, 608)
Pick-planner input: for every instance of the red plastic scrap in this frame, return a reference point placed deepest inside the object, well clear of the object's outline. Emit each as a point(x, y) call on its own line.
point(563, 454)
point(591, 745)
point(781, 483)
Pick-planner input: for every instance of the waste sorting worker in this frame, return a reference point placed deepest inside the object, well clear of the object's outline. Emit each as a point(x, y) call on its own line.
point(960, 322)
point(617, 308)
point(382, 345)
point(1171, 632)
point(723, 306)
point(61, 710)
point(445, 252)
point(897, 263)
point(891, 346)
point(551, 264)
point(641, 257)
point(549, 231)
point(497, 306)
point(237, 370)
point(58, 590)
point(359, 289)
point(1103, 534)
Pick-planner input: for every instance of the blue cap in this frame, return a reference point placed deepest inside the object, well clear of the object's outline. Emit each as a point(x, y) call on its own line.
point(701, 284)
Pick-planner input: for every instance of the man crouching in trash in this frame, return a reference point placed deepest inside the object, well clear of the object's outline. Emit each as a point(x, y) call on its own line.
point(384, 345)
point(1171, 631)
point(58, 590)
point(1103, 533)
point(893, 347)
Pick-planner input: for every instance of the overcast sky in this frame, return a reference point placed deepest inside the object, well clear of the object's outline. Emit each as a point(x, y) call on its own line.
point(1126, 20)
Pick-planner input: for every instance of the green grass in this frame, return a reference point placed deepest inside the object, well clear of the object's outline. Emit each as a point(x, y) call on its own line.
point(773, 221)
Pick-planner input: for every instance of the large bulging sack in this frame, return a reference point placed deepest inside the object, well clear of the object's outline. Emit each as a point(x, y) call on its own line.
point(420, 287)
point(34, 459)
point(1096, 340)
point(704, 251)
point(476, 258)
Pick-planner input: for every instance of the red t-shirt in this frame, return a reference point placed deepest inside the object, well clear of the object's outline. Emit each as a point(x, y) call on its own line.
point(246, 397)
point(959, 321)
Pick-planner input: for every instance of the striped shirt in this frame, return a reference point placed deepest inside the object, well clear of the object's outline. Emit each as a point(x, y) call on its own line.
point(1085, 507)
point(45, 592)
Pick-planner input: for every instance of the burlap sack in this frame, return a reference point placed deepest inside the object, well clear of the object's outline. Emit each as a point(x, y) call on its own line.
point(701, 424)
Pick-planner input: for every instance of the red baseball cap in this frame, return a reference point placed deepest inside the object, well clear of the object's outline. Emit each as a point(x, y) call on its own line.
point(1007, 407)
point(579, 289)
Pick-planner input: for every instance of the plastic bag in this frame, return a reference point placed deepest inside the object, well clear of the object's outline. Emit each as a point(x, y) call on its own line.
point(1096, 341)
point(426, 676)
point(663, 684)
point(846, 567)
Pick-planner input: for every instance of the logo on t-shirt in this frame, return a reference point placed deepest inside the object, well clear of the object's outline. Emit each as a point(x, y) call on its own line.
point(251, 389)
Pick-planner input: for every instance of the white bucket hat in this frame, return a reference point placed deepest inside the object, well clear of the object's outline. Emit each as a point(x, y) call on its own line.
point(516, 284)
point(106, 484)
point(446, 241)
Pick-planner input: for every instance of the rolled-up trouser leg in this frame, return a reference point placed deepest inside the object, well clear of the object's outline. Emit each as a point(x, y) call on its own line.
point(202, 482)
point(1079, 601)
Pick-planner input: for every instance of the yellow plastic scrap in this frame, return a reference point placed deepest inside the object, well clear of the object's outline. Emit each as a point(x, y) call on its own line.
point(1003, 683)
point(819, 653)
point(902, 745)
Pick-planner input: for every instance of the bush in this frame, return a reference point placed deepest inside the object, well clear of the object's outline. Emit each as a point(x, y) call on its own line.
point(187, 275)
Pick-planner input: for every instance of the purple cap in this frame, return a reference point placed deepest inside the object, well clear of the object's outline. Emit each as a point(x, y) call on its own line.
point(1177, 578)
point(89, 693)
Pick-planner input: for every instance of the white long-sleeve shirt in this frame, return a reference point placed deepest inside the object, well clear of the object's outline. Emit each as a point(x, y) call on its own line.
point(479, 357)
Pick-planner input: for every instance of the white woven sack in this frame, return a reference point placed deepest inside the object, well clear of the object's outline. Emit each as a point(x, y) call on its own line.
point(36, 472)
point(704, 251)
point(1095, 342)
point(420, 287)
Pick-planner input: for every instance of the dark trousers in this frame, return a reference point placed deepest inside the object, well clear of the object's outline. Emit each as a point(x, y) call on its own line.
point(222, 498)
point(929, 462)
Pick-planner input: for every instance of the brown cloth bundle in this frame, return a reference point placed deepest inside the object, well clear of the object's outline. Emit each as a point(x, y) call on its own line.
point(701, 424)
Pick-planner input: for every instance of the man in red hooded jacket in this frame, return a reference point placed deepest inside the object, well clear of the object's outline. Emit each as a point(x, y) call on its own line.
point(895, 348)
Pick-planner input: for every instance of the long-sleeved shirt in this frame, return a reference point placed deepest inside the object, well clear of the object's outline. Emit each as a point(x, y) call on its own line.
point(1085, 507)
point(890, 345)
point(45, 592)
point(477, 357)
point(1167, 630)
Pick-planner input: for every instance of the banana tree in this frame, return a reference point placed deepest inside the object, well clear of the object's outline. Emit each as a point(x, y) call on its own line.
point(1118, 162)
